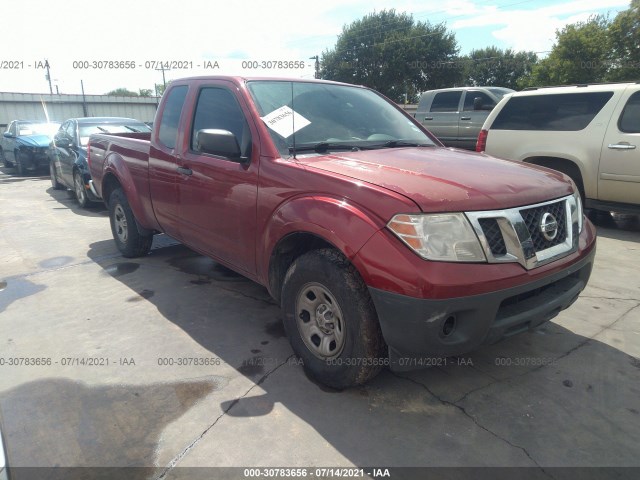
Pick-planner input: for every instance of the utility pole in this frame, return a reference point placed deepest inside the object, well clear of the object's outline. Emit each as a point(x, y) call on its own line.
point(84, 100)
point(164, 82)
point(48, 75)
point(317, 59)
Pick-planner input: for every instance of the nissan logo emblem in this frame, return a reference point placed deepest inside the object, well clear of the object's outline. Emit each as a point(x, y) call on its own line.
point(549, 226)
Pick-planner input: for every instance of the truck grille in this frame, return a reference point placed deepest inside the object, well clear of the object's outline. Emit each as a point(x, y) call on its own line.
point(492, 231)
point(531, 235)
point(532, 218)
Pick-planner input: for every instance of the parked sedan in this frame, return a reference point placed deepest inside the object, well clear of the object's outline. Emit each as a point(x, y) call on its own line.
point(25, 144)
point(69, 168)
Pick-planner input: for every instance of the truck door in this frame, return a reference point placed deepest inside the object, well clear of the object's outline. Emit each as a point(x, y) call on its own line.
point(443, 117)
point(619, 175)
point(163, 162)
point(218, 195)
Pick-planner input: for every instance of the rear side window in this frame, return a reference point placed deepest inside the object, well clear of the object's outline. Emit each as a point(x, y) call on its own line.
point(630, 118)
point(446, 102)
point(168, 131)
point(557, 112)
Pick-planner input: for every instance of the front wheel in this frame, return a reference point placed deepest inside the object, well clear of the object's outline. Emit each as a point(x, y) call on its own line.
point(330, 320)
point(123, 226)
point(80, 190)
point(4, 160)
point(20, 170)
point(54, 177)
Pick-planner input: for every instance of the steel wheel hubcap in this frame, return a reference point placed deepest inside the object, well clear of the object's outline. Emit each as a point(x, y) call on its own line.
point(120, 223)
point(320, 321)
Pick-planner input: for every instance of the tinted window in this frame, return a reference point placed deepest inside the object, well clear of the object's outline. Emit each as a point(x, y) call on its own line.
point(560, 112)
point(217, 108)
point(630, 118)
point(487, 101)
point(171, 116)
point(446, 102)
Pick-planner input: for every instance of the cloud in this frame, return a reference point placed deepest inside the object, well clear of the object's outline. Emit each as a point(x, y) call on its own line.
point(534, 29)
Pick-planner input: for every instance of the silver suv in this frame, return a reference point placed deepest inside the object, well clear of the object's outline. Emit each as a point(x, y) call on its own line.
point(589, 132)
point(456, 115)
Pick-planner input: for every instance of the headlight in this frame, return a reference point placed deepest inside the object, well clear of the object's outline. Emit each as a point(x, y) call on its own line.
point(446, 237)
point(576, 212)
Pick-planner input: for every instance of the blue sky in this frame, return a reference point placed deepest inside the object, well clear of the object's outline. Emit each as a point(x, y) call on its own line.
point(232, 32)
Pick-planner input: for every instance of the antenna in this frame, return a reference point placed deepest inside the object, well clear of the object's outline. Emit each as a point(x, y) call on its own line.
point(293, 124)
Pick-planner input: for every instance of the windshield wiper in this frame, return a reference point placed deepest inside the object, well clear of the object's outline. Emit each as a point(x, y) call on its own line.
point(401, 143)
point(323, 147)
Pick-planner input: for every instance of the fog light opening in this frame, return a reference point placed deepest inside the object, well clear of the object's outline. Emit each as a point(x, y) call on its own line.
point(449, 326)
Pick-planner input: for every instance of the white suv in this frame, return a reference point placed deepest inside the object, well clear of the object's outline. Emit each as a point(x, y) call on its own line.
point(589, 132)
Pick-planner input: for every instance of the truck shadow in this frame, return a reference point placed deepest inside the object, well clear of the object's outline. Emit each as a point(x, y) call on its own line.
point(614, 225)
point(67, 200)
point(553, 385)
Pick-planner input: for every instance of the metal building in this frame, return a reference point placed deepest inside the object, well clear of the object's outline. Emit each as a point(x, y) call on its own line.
point(32, 106)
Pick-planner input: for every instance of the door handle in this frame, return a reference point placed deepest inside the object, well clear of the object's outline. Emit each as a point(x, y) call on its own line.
point(185, 171)
point(428, 118)
point(465, 118)
point(621, 146)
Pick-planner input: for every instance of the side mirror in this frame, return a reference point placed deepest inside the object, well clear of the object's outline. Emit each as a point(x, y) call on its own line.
point(62, 142)
point(7, 135)
point(219, 142)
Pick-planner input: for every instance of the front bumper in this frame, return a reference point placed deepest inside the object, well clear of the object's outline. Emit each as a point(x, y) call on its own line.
point(418, 327)
point(32, 160)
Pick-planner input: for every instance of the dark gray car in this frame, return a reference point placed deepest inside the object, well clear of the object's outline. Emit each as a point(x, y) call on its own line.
point(456, 115)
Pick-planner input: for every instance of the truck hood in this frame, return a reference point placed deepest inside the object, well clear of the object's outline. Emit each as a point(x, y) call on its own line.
point(34, 141)
point(445, 179)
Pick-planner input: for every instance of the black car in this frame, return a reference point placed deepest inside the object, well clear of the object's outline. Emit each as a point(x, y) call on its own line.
point(69, 168)
point(25, 144)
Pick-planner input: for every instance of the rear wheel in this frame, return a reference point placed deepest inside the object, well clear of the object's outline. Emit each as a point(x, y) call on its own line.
point(123, 226)
point(54, 177)
point(331, 321)
point(80, 190)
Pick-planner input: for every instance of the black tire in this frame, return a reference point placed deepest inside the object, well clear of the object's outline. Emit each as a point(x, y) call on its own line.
point(4, 160)
point(54, 177)
point(79, 190)
point(123, 226)
point(358, 351)
point(20, 171)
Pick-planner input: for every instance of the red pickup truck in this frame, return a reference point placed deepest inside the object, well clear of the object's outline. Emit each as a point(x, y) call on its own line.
point(382, 246)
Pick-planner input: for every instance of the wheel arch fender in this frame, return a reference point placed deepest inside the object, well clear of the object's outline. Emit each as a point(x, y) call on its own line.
point(307, 223)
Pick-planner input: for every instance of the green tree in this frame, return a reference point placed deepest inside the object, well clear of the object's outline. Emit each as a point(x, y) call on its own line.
point(624, 39)
point(123, 92)
point(581, 54)
point(160, 88)
point(394, 54)
point(145, 92)
point(496, 67)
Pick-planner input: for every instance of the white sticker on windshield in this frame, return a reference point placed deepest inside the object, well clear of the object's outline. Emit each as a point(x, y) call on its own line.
point(285, 122)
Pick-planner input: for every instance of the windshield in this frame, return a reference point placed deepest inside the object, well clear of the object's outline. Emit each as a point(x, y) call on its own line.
point(500, 92)
point(336, 116)
point(86, 130)
point(48, 129)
